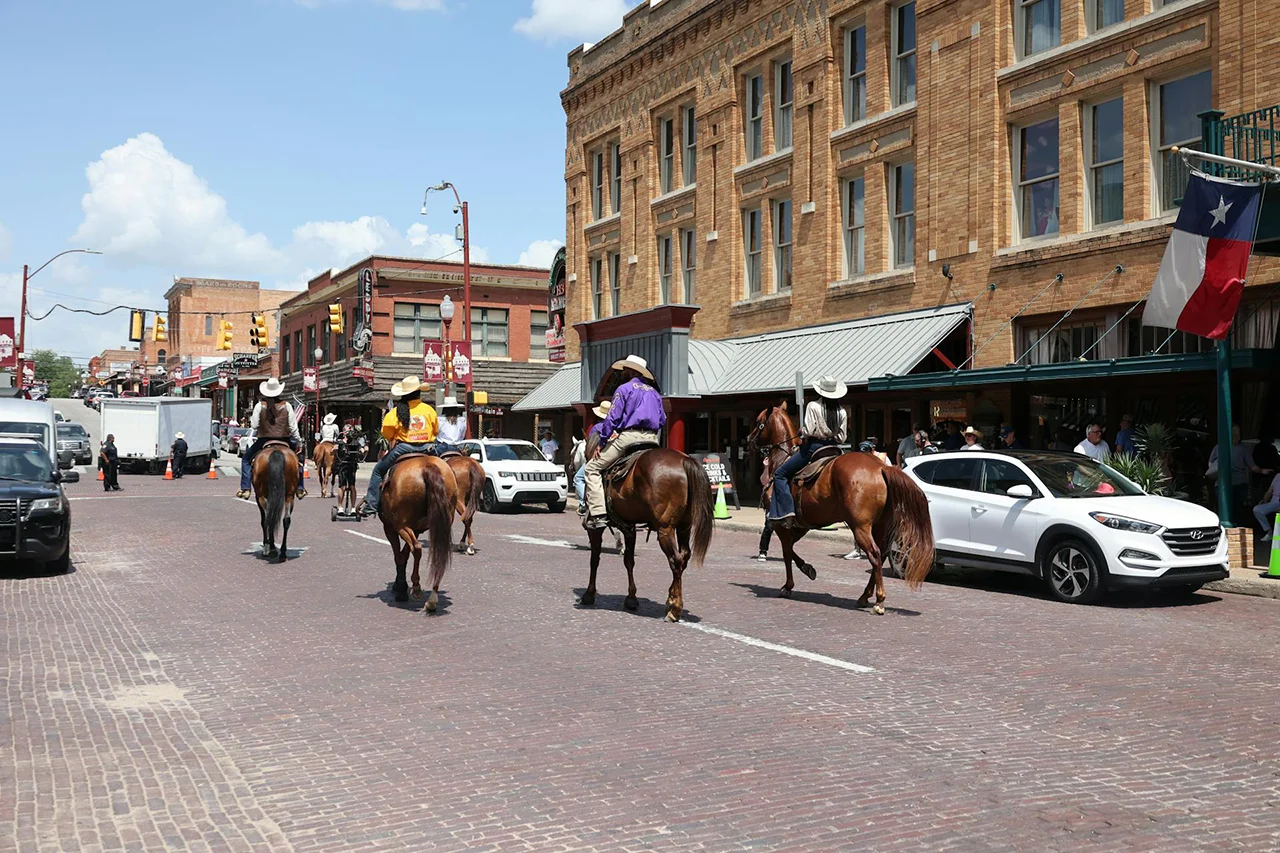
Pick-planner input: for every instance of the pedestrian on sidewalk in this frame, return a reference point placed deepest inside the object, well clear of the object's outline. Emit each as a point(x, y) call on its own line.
point(109, 463)
point(590, 452)
point(1265, 512)
point(178, 454)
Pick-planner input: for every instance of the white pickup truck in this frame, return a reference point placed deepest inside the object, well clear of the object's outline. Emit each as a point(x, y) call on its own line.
point(145, 427)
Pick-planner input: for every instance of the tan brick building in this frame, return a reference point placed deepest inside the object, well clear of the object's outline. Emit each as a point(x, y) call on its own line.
point(196, 305)
point(791, 164)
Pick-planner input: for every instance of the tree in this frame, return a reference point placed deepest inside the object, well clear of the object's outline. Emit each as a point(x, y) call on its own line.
point(58, 370)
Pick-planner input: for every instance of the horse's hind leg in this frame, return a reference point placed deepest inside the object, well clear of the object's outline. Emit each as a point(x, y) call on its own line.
point(411, 541)
point(862, 535)
point(675, 595)
point(400, 589)
point(786, 538)
point(596, 536)
point(284, 536)
point(629, 560)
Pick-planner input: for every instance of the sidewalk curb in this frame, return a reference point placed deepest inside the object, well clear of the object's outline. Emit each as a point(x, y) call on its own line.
point(1242, 582)
point(840, 535)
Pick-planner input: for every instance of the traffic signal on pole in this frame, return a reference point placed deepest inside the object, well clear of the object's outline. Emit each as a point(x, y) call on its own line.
point(137, 320)
point(225, 335)
point(258, 335)
point(335, 318)
point(159, 333)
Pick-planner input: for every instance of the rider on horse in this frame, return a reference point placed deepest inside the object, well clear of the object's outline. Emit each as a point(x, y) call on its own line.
point(329, 429)
point(825, 424)
point(635, 417)
point(453, 426)
point(411, 427)
point(274, 420)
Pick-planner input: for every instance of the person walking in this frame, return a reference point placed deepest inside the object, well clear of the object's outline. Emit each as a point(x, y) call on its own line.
point(907, 447)
point(1093, 446)
point(178, 454)
point(549, 446)
point(635, 417)
point(825, 423)
point(453, 427)
point(411, 427)
point(272, 419)
point(109, 462)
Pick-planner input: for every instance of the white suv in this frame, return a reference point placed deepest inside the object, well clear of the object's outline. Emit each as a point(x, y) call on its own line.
point(516, 473)
point(1074, 522)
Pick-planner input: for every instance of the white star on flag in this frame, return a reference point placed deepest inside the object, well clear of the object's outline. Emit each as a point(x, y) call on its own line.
point(1219, 213)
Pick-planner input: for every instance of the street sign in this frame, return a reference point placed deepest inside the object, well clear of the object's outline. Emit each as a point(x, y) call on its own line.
point(433, 361)
point(309, 384)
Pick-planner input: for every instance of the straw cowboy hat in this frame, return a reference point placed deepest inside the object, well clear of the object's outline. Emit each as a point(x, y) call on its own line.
point(271, 388)
point(602, 410)
point(830, 387)
point(406, 386)
point(450, 403)
point(177, 435)
point(636, 363)
point(971, 431)
point(331, 418)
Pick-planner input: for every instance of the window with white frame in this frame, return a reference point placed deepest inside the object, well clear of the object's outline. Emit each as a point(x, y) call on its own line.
point(855, 191)
point(1104, 13)
point(1036, 169)
point(855, 74)
point(616, 194)
point(413, 323)
point(538, 323)
point(902, 209)
point(1178, 105)
point(904, 54)
point(784, 97)
point(664, 267)
point(597, 184)
point(689, 264)
point(597, 288)
point(1038, 25)
point(489, 332)
point(666, 155)
point(751, 222)
point(615, 284)
point(755, 116)
point(690, 154)
point(781, 245)
point(1104, 150)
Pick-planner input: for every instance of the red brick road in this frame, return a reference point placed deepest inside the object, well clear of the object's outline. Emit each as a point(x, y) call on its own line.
point(176, 692)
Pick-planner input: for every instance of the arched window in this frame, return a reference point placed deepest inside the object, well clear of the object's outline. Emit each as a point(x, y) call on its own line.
point(160, 355)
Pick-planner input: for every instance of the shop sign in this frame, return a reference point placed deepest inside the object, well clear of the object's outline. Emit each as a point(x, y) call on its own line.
point(309, 384)
point(364, 371)
point(948, 410)
point(720, 473)
point(244, 361)
point(433, 361)
point(557, 298)
point(462, 362)
point(8, 349)
point(489, 411)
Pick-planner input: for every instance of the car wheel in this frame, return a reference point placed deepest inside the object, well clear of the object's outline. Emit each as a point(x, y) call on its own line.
point(1073, 571)
point(557, 506)
point(489, 498)
point(896, 563)
point(62, 565)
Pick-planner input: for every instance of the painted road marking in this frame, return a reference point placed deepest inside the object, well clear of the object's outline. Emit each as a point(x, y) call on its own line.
point(381, 540)
point(160, 497)
point(775, 647)
point(534, 540)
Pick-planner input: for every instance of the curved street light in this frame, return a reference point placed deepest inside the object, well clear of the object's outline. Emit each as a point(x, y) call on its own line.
point(27, 276)
point(459, 207)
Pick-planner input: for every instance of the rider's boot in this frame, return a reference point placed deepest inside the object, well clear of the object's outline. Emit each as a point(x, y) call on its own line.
point(243, 494)
point(365, 511)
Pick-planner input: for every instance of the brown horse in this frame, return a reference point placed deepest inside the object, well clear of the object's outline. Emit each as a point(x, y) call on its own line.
point(669, 493)
point(420, 496)
point(470, 476)
point(325, 471)
point(275, 483)
point(882, 506)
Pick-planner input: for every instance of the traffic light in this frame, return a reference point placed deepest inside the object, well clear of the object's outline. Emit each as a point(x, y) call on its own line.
point(335, 318)
point(258, 336)
point(159, 333)
point(137, 320)
point(225, 336)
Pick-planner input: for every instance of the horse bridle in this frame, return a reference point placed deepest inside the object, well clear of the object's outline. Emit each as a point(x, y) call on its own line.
point(766, 450)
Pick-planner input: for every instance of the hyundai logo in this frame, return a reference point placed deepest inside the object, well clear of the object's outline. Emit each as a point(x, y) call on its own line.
point(1197, 535)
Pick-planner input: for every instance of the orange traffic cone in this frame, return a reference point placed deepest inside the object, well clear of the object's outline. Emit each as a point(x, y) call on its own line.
point(306, 472)
point(101, 475)
point(168, 470)
point(213, 473)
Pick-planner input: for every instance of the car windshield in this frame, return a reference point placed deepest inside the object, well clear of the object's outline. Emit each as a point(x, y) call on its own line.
point(24, 462)
point(71, 431)
point(515, 453)
point(1080, 477)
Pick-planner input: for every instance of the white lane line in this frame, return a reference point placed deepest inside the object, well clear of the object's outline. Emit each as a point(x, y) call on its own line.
point(775, 647)
point(158, 497)
point(379, 540)
point(534, 540)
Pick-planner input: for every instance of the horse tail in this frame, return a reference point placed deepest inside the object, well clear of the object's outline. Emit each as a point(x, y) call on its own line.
point(910, 524)
point(439, 523)
point(702, 506)
point(476, 490)
point(275, 490)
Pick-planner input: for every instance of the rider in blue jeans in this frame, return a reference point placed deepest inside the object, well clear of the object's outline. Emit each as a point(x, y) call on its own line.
point(593, 443)
point(825, 423)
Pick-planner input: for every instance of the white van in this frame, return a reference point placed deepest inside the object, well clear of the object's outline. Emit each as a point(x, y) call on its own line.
point(30, 419)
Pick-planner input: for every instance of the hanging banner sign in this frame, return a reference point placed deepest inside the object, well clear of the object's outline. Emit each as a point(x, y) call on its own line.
point(28, 374)
point(364, 371)
point(433, 361)
point(8, 348)
point(224, 378)
point(557, 299)
point(309, 384)
point(462, 362)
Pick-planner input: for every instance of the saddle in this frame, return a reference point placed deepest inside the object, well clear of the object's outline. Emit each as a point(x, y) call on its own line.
point(620, 470)
point(448, 454)
point(276, 442)
point(822, 457)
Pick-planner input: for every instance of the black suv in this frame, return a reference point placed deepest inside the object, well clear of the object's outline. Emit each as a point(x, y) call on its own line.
point(35, 517)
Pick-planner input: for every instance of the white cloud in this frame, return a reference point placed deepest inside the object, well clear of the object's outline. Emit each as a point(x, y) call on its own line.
point(6, 242)
point(540, 253)
point(577, 20)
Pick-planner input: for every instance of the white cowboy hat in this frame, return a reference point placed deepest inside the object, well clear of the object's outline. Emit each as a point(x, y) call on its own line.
point(406, 386)
point(450, 403)
point(177, 435)
point(636, 363)
point(331, 418)
point(271, 388)
point(830, 387)
point(602, 410)
point(971, 431)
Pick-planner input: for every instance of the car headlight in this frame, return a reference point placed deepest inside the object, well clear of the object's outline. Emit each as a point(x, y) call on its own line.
point(508, 474)
point(1128, 525)
point(45, 505)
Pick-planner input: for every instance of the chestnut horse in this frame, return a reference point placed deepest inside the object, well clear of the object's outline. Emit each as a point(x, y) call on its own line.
point(881, 504)
point(470, 476)
point(419, 496)
point(275, 483)
point(669, 492)
point(325, 470)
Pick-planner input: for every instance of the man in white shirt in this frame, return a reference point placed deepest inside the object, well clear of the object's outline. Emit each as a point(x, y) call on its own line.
point(549, 446)
point(1093, 446)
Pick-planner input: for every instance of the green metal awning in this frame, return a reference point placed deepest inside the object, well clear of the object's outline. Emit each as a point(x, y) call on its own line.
point(1245, 359)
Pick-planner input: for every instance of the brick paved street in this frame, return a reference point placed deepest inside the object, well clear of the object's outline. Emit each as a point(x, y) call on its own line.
point(174, 692)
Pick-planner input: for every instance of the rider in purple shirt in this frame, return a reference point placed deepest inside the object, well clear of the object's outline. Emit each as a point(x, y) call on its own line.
point(636, 417)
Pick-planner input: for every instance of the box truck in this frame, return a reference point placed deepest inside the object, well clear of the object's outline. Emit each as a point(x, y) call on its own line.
point(145, 427)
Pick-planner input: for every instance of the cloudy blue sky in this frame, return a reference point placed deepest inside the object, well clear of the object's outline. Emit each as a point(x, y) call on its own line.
point(271, 139)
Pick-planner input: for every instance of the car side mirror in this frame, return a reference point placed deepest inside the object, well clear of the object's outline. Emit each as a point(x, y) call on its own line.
point(70, 477)
point(1021, 491)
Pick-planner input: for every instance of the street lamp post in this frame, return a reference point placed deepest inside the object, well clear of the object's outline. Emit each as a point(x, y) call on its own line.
point(319, 354)
point(26, 276)
point(460, 206)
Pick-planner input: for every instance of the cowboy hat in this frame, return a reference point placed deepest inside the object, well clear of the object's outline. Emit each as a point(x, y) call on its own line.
point(406, 386)
point(971, 431)
point(602, 410)
point(271, 388)
point(450, 403)
point(636, 363)
point(830, 387)
point(179, 435)
point(331, 418)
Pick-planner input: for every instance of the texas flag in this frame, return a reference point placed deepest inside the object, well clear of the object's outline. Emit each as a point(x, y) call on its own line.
point(1201, 277)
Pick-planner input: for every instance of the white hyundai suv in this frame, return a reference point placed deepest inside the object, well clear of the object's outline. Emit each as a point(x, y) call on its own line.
point(516, 473)
point(1063, 517)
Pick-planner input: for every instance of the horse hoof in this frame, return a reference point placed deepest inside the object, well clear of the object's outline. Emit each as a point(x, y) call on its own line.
point(673, 616)
point(630, 602)
point(471, 552)
point(431, 607)
point(862, 602)
point(417, 594)
point(878, 610)
point(588, 599)
point(784, 593)
point(809, 571)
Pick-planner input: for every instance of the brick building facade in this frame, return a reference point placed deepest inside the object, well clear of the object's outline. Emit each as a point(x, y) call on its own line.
point(196, 305)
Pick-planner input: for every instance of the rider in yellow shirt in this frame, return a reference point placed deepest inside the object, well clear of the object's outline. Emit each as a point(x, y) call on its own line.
point(411, 427)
